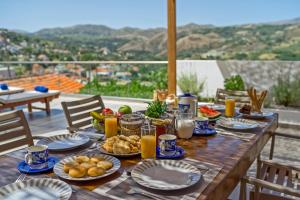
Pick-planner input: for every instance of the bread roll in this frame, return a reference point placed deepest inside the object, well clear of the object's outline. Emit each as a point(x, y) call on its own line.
point(96, 159)
point(105, 164)
point(81, 159)
point(77, 172)
point(69, 165)
point(96, 171)
point(87, 165)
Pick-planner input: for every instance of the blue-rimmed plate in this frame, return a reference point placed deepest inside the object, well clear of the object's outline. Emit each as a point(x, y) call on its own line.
point(179, 153)
point(36, 188)
point(24, 167)
point(64, 142)
point(207, 132)
point(256, 115)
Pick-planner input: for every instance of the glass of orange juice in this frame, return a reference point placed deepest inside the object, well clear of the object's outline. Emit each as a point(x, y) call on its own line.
point(229, 106)
point(111, 126)
point(148, 141)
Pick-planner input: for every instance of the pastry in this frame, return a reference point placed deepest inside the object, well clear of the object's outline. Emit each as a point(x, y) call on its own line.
point(77, 172)
point(69, 165)
point(122, 144)
point(81, 159)
point(121, 147)
point(96, 171)
point(257, 100)
point(105, 164)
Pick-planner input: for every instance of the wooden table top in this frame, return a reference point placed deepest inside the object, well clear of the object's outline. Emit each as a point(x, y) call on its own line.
point(233, 154)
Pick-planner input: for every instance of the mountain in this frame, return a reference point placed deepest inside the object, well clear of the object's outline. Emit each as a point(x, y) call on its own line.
point(276, 40)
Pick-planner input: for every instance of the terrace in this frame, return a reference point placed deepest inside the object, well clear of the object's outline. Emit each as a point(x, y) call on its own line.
point(132, 83)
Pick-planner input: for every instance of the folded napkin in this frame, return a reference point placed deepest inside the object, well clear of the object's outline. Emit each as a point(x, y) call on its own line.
point(4, 86)
point(41, 88)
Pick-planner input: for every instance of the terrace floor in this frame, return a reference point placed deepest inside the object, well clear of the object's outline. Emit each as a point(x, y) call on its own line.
point(286, 150)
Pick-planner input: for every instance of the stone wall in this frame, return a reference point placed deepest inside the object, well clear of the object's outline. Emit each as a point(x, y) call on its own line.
point(260, 74)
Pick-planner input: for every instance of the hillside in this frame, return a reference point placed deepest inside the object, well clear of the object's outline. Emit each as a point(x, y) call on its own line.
point(277, 41)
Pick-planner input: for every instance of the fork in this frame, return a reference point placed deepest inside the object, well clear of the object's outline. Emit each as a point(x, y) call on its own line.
point(21, 178)
point(133, 191)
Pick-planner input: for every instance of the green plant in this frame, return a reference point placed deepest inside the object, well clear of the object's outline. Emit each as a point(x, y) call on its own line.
point(159, 78)
point(235, 83)
point(155, 109)
point(286, 91)
point(189, 83)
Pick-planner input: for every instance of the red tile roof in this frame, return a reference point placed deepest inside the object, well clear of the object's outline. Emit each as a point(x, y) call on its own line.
point(52, 81)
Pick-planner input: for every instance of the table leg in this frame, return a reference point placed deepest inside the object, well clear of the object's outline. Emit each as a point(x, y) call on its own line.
point(47, 106)
point(29, 107)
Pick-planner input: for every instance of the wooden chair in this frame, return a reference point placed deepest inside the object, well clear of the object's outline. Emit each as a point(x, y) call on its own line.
point(78, 112)
point(241, 97)
point(273, 180)
point(14, 131)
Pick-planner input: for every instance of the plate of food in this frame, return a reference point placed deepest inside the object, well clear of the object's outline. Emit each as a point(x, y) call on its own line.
point(165, 174)
point(210, 113)
point(86, 167)
point(246, 111)
point(64, 142)
point(122, 146)
point(237, 123)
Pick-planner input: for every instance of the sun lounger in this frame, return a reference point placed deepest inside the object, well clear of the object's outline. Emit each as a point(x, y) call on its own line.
point(11, 90)
point(27, 98)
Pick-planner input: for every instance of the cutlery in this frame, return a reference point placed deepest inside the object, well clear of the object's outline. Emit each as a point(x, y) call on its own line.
point(137, 191)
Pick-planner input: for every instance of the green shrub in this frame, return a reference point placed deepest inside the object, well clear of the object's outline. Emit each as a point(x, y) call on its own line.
point(235, 83)
point(189, 83)
point(286, 91)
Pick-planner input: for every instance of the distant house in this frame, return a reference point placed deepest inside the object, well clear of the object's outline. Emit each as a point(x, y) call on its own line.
point(104, 72)
point(6, 73)
point(123, 75)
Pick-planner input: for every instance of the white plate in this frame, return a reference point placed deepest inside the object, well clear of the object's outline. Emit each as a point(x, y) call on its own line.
point(256, 115)
point(237, 123)
point(39, 188)
point(217, 107)
point(102, 150)
point(165, 174)
point(59, 167)
point(64, 142)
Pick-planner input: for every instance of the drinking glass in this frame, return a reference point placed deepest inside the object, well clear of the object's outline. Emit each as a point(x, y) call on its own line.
point(111, 126)
point(148, 141)
point(229, 106)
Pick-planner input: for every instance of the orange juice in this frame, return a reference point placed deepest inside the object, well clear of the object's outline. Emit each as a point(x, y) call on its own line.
point(229, 107)
point(111, 127)
point(148, 146)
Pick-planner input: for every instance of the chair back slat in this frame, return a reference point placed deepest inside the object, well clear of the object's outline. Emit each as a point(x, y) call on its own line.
point(78, 112)
point(241, 97)
point(14, 131)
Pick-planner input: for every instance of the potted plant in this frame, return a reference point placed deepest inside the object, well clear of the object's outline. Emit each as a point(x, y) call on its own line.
point(234, 83)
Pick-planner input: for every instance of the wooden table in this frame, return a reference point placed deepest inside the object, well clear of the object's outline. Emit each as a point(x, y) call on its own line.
point(235, 155)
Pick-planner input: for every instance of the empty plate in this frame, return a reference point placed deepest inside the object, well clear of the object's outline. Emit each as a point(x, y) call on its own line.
point(41, 188)
point(237, 123)
point(64, 142)
point(165, 174)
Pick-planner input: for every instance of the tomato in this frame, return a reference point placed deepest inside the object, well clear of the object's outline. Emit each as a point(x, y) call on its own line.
point(106, 111)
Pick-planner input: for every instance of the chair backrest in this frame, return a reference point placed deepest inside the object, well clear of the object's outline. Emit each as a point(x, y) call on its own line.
point(14, 131)
point(241, 97)
point(78, 112)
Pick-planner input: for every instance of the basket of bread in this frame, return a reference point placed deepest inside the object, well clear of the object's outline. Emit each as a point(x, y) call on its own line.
point(86, 167)
point(121, 146)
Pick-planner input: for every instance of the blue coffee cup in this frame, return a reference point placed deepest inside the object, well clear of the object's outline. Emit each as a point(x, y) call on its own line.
point(37, 157)
point(167, 144)
point(201, 125)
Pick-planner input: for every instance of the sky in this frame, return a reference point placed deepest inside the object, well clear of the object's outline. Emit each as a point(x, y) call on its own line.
point(33, 15)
